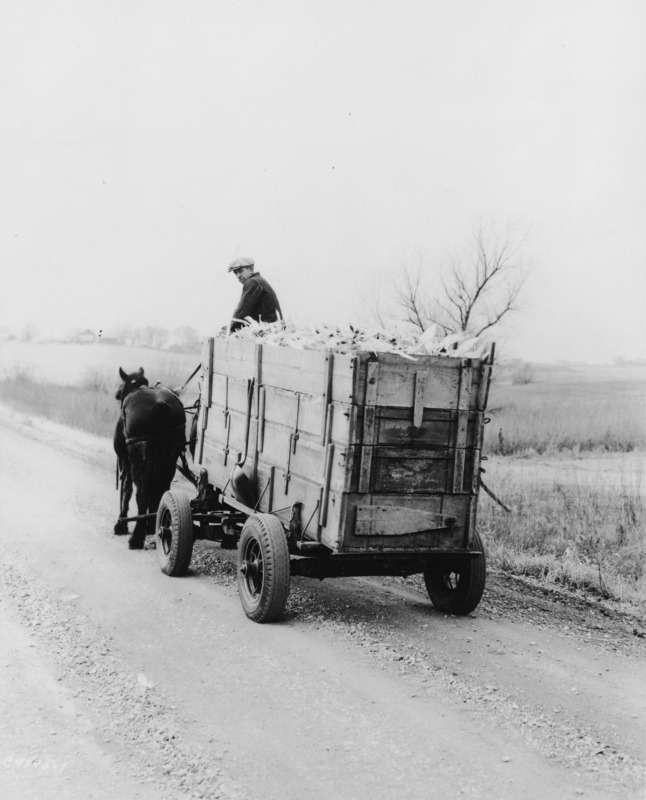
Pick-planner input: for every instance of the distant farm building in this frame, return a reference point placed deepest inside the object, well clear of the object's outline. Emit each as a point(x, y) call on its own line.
point(85, 337)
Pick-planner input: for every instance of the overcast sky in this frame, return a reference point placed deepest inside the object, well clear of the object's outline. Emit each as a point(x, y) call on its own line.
point(144, 144)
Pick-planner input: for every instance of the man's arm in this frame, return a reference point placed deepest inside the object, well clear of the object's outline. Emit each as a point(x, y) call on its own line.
point(249, 301)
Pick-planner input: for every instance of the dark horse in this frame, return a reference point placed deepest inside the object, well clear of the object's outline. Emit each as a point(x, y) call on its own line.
point(149, 437)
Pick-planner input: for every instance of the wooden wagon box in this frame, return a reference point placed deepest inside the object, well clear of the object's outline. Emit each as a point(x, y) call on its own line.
point(376, 452)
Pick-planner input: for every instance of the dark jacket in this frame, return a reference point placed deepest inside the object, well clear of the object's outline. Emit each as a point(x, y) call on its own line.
point(258, 301)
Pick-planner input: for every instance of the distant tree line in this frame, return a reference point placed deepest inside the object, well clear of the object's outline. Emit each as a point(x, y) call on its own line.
point(184, 338)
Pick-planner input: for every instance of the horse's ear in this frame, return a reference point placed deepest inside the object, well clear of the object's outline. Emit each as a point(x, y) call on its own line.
point(141, 371)
point(122, 375)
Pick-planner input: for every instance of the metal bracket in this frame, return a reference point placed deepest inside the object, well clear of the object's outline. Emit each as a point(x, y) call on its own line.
point(418, 407)
point(226, 449)
point(225, 411)
point(293, 439)
point(327, 396)
point(369, 424)
point(295, 522)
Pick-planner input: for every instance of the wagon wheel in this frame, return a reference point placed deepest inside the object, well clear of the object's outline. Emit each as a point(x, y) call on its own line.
point(263, 568)
point(457, 587)
point(174, 527)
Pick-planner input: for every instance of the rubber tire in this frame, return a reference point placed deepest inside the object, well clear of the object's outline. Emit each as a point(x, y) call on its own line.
point(263, 542)
point(457, 588)
point(174, 533)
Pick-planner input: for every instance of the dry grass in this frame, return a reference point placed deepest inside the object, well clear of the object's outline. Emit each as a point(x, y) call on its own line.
point(82, 396)
point(568, 409)
point(569, 530)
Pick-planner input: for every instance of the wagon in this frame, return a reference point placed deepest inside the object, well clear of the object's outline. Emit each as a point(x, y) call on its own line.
point(328, 464)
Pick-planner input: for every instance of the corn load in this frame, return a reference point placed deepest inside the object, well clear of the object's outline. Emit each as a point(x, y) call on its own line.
point(370, 340)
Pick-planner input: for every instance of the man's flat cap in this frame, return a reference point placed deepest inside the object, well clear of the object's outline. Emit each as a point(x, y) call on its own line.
point(240, 262)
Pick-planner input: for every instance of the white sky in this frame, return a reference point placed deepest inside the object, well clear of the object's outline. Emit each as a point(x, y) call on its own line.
point(146, 143)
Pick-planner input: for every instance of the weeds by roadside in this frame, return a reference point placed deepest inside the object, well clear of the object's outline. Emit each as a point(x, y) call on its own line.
point(567, 410)
point(543, 428)
point(579, 536)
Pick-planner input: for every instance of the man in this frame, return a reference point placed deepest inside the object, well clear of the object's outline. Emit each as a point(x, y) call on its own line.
point(258, 299)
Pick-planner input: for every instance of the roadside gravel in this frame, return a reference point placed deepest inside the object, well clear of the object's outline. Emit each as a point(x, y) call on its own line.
point(129, 712)
point(385, 621)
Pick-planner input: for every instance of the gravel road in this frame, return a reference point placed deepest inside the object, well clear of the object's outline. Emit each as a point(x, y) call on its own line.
point(117, 681)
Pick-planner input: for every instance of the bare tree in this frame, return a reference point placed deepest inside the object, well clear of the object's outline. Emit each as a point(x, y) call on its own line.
point(475, 287)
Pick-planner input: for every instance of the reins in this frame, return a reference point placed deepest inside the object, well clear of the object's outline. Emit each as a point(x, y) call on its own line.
point(189, 379)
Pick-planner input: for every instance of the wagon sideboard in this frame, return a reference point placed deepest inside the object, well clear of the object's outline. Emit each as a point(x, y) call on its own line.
point(381, 452)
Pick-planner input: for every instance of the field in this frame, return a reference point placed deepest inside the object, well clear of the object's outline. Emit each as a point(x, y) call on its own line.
point(75, 384)
point(566, 454)
point(568, 409)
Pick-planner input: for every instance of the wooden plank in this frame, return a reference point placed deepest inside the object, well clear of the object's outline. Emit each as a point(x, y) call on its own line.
point(395, 423)
point(301, 370)
point(470, 528)
point(308, 494)
point(415, 542)
point(272, 483)
point(483, 389)
point(372, 388)
point(455, 505)
point(261, 419)
point(466, 376)
point(382, 520)
point(220, 445)
point(477, 429)
point(309, 458)
point(397, 381)
point(225, 412)
point(418, 407)
point(436, 428)
point(207, 366)
point(475, 472)
point(203, 416)
point(279, 402)
point(285, 367)
point(258, 377)
point(464, 398)
point(327, 395)
point(410, 473)
point(329, 458)
point(458, 471)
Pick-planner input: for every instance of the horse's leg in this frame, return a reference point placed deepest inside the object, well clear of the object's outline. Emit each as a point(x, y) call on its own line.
point(138, 536)
point(141, 475)
point(125, 475)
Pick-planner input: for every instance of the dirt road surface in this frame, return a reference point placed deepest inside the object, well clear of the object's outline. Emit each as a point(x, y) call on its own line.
point(117, 681)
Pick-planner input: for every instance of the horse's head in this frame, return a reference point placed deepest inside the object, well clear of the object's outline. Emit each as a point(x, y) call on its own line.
point(130, 383)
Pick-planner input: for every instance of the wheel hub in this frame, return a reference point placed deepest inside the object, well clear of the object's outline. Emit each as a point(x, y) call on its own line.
point(250, 568)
